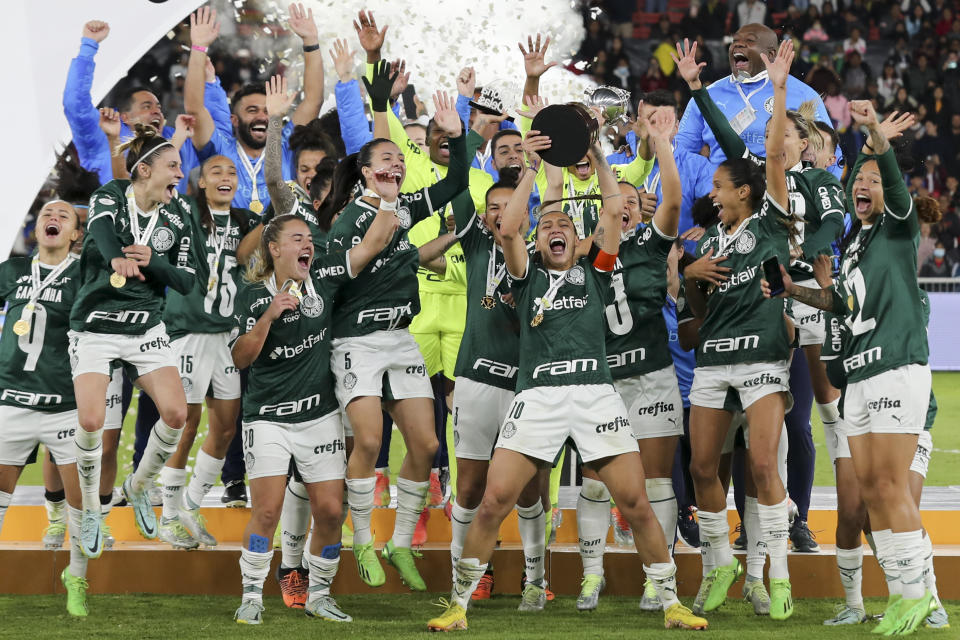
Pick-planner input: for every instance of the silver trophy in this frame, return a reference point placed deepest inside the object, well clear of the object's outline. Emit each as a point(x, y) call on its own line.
point(497, 97)
point(613, 101)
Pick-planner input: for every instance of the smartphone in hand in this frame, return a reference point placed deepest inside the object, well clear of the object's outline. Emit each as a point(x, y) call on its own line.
point(771, 273)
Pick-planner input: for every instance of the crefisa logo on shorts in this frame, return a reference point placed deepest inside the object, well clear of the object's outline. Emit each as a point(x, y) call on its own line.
point(509, 430)
point(763, 379)
point(883, 403)
point(615, 426)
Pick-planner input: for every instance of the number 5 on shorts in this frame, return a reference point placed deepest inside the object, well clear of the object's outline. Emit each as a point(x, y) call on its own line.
point(346, 360)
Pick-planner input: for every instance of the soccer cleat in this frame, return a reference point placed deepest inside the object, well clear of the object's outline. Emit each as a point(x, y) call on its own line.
point(802, 538)
point(622, 534)
point(368, 566)
point(91, 536)
point(76, 593)
point(740, 543)
point(420, 531)
point(346, 536)
point(705, 585)
point(484, 588)
point(402, 560)
point(325, 608)
point(678, 616)
point(755, 593)
point(688, 528)
point(846, 615)
point(143, 515)
point(534, 598)
point(107, 533)
point(781, 599)
point(54, 534)
point(234, 494)
point(381, 490)
point(293, 586)
point(938, 619)
point(650, 601)
point(173, 532)
point(913, 613)
point(723, 579)
point(890, 617)
point(249, 612)
point(454, 618)
point(194, 522)
point(436, 490)
point(523, 584)
point(590, 588)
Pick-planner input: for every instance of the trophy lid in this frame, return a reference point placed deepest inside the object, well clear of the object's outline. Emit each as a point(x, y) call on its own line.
point(571, 128)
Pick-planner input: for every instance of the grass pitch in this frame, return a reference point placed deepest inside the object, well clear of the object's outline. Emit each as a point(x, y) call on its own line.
point(405, 616)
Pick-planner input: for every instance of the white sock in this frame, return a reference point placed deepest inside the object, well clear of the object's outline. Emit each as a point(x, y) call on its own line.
point(160, 446)
point(5, 500)
point(206, 470)
point(460, 519)
point(706, 557)
point(775, 530)
point(172, 481)
point(593, 522)
point(467, 574)
point(56, 510)
point(78, 561)
point(360, 498)
point(850, 564)
point(929, 577)
point(756, 546)
point(411, 499)
point(783, 448)
point(532, 523)
point(254, 568)
point(89, 451)
point(886, 552)
point(873, 545)
point(294, 524)
point(829, 414)
point(322, 571)
point(910, 556)
point(664, 505)
point(663, 575)
point(715, 529)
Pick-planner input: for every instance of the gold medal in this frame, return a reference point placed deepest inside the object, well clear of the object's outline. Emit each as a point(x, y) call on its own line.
point(537, 319)
point(295, 291)
point(117, 280)
point(21, 327)
point(256, 206)
point(850, 302)
point(487, 302)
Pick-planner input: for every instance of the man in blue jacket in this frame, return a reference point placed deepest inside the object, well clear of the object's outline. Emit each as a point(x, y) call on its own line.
point(746, 98)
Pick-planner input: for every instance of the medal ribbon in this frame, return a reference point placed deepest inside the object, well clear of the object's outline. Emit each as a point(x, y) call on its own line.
point(546, 301)
point(218, 248)
point(252, 171)
point(578, 205)
point(37, 286)
point(494, 275)
point(140, 237)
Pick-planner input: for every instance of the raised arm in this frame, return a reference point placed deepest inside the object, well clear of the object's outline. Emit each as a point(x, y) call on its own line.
point(204, 29)
point(778, 70)
point(83, 118)
point(457, 179)
point(534, 64)
point(354, 127)
point(302, 23)
point(110, 125)
point(511, 224)
point(378, 236)
point(667, 216)
point(606, 237)
point(278, 104)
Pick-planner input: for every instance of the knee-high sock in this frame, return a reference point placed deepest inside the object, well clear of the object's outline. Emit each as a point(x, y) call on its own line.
point(460, 519)
point(850, 565)
point(254, 568)
point(205, 472)
point(593, 522)
point(5, 500)
point(172, 481)
point(360, 498)
point(756, 545)
point(467, 574)
point(775, 529)
point(532, 521)
point(715, 530)
point(910, 557)
point(294, 524)
point(663, 575)
point(161, 445)
point(55, 503)
point(78, 561)
point(411, 499)
point(323, 569)
point(929, 577)
point(886, 551)
point(664, 504)
point(89, 451)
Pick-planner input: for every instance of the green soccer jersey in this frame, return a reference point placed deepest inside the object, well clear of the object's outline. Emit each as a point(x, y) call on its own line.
point(137, 306)
point(637, 339)
point(876, 290)
point(740, 324)
point(290, 380)
point(567, 345)
point(489, 350)
point(35, 367)
point(207, 309)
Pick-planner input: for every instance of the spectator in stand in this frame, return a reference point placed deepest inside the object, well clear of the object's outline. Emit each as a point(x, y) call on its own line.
point(593, 43)
point(706, 19)
point(832, 21)
point(838, 107)
point(653, 78)
point(952, 193)
point(856, 74)
point(656, 6)
point(937, 106)
point(750, 12)
point(937, 265)
point(663, 28)
point(889, 82)
point(901, 101)
point(900, 57)
point(855, 43)
point(921, 76)
point(945, 23)
point(948, 229)
point(891, 24)
point(804, 62)
point(620, 75)
point(952, 136)
point(620, 13)
point(928, 241)
point(816, 32)
point(930, 143)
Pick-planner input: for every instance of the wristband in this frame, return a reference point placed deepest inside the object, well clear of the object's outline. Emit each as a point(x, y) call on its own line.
point(388, 206)
point(307, 48)
point(197, 47)
point(604, 261)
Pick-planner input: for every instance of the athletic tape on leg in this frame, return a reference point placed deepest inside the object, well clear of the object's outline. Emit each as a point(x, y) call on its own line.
point(331, 551)
point(258, 544)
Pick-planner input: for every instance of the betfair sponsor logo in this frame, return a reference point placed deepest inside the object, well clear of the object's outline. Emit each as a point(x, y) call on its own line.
point(495, 368)
point(292, 407)
point(288, 351)
point(739, 278)
point(615, 426)
point(726, 345)
point(564, 367)
point(568, 302)
point(862, 359)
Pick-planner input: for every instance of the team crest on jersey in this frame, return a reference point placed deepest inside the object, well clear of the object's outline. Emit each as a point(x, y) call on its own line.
point(746, 242)
point(576, 276)
point(403, 215)
point(509, 430)
point(162, 239)
point(349, 381)
point(768, 105)
point(312, 306)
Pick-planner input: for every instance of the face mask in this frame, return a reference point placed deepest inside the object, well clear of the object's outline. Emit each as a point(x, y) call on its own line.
point(939, 253)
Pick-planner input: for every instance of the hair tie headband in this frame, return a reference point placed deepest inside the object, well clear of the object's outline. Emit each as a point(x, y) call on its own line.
point(144, 154)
